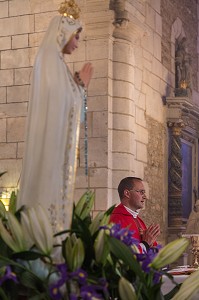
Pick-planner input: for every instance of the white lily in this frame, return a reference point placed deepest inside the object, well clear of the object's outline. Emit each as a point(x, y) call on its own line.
point(94, 226)
point(39, 228)
point(170, 253)
point(126, 290)
point(189, 287)
point(99, 246)
point(78, 254)
point(74, 252)
point(14, 238)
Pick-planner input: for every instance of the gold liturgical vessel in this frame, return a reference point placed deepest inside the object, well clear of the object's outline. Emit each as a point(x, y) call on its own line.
point(194, 238)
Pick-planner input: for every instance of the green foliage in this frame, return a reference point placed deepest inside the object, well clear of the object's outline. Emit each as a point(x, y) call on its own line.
point(13, 202)
point(92, 257)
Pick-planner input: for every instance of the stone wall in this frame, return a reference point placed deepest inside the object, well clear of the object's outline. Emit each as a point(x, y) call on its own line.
point(155, 175)
point(22, 26)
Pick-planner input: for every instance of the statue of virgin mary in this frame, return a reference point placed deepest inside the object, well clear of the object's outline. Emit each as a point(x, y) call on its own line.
point(49, 164)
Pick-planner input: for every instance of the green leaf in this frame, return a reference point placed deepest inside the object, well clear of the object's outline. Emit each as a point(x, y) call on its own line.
point(27, 255)
point(11, 289)
point(30, 280)
point(3, 295)
point(94, 226)
point(124, 253)
point(109, 211)
point(81, 203)
point(2, 210)
point(4, 261)
point(13, 202)
point(171, 294)
point(41, 296)
point(82, 230)
point(62, 232)
point(90, 198)
point(4, 249)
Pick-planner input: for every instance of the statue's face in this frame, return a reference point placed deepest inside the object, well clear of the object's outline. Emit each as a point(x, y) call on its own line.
point(72, 44)
point(197, 208)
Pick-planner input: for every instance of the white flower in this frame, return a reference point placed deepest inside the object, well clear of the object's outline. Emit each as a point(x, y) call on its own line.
point(170, 253)
point(189, 287)
point(74, 252)
point(14, 236)
point(126, 290)
point(38, 227)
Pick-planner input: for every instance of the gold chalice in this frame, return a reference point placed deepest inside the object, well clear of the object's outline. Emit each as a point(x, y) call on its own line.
point(194, 238)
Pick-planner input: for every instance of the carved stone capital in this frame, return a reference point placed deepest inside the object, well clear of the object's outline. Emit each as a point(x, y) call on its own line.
point(120, 13)
point(182, 113)
point(176, 127)
point(127, 27)
point(182, 102)
point(176, 107)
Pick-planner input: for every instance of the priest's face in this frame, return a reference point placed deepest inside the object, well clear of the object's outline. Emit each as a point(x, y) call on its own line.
point(72, 44)
point(135, 197)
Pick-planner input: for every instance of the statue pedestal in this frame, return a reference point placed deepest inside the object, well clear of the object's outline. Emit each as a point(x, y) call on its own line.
point(180, 92)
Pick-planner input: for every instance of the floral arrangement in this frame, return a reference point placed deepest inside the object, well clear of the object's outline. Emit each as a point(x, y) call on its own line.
point(92, 260)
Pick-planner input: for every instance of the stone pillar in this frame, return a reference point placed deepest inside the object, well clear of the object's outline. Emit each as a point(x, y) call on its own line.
point(175, 175)
point(128, 31)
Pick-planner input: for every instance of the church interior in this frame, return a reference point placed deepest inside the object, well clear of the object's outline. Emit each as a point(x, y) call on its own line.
point(142, 101)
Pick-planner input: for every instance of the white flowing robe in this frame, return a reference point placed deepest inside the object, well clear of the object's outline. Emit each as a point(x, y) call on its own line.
point(49, 165)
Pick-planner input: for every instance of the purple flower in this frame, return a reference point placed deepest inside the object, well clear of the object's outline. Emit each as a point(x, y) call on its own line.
point(103, 284)
point(146, 258)
point(145, 261)
point(102, 287)
point(73, 297)
point(89, 292)
point(54, 288)
point(9, 275)
point(63, 273)
point(157, 277)
point(54, 292)
point(123, 234)
point(80, 275)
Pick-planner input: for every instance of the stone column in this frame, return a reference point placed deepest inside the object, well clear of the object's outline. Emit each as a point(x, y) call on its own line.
point(128, 31)
point(175, 175)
